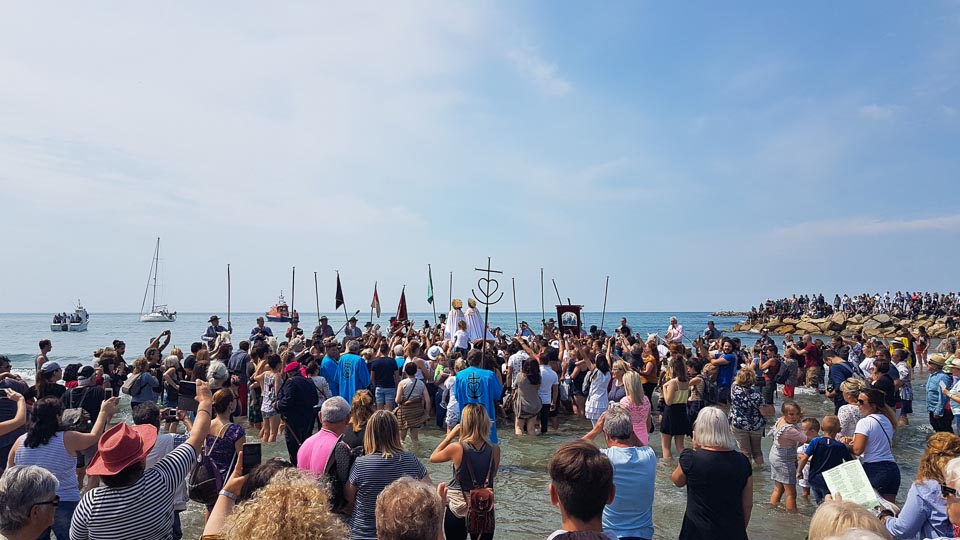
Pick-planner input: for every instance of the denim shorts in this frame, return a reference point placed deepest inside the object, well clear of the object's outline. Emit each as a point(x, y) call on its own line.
point(385, 395)
point(884, 476)
point(270, 414)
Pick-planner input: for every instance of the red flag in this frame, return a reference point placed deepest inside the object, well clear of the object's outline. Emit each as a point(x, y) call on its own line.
point(376, 300)
point(402, 308)
point(340, 301)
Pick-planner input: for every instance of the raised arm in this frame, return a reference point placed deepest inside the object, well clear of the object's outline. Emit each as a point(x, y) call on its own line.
point(20, 418)
point(204, 414)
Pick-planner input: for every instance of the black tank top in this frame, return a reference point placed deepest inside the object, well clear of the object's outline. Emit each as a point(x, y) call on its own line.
point(481, 460)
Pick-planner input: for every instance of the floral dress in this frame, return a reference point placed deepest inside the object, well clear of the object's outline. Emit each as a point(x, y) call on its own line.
point(597, 399)
point(746, 409)
point(849, 415)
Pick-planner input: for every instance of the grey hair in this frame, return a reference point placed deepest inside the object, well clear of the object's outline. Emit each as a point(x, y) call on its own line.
point(712, 428)
point(353, 346)
point(951, 473)
point(950, 345)
point(857, 534)
point(335, 410)
point(21, 488)
point(617, 423)
point(217, 374)
point(398, 350)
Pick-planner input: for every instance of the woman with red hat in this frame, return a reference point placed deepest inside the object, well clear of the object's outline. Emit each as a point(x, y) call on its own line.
point(135, 502)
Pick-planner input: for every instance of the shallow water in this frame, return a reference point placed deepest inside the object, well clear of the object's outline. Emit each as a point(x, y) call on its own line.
point(523, 505)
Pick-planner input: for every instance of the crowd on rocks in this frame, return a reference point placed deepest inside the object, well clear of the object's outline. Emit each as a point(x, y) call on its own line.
point(344, 408)
point(901, 304)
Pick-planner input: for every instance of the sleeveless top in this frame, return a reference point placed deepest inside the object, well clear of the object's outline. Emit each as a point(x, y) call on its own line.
point(481, 460)
point(680, 396)
point(269, 393)
point(53, 457)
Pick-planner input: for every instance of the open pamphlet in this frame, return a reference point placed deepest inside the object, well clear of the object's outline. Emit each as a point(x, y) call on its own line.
point(851, 482)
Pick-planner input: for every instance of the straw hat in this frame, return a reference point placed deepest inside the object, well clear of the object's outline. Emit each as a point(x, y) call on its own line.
point(457, 303)
point(937, 360)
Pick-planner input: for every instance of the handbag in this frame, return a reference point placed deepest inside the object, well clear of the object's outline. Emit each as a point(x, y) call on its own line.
point(205, 480)
point(480, 517)
point(128, 384)
point(76, 418)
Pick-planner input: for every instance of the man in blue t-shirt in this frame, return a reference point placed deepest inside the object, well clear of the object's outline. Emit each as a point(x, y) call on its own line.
point(330, 369)
point(630, 515)
point(475, 385)
point(353, 374)
point(726, 362)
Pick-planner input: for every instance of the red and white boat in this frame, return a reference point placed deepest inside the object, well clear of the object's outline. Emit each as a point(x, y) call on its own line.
point(280, 312)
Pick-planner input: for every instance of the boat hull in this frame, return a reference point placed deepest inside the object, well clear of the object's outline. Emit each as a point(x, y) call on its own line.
point(70, 327)
point(158, 317)
point(274, 318)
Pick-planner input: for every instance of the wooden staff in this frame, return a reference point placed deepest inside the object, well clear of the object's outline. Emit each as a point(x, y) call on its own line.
point(316, 293)
point(604, 313)
point(516, 315)
point(228, 296)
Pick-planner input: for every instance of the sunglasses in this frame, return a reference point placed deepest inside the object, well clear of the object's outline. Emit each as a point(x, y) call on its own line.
point(947, 491)
point(56, 501)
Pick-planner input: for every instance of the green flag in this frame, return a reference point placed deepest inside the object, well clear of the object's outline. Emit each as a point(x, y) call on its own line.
point(429, 285)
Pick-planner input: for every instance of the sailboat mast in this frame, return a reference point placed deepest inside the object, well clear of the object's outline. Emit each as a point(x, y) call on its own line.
point(149, 277)
point(293, 288)
point(156, 269)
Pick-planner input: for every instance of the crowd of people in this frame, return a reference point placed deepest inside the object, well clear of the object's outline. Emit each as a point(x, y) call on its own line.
point(345, 404)
point(901, 304)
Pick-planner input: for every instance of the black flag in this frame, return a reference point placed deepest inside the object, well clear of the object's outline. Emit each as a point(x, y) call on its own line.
point(340, 301)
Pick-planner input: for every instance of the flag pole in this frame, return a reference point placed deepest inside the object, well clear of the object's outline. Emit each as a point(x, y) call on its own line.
point(293, 289)
point(316, 292)
point(346, 318)
point(371, 303)
point(450, 297)
point(516, 314)
point(543, 313)
point(228, 296)
point(431, 299)
point(559, 301)
point(604, 313)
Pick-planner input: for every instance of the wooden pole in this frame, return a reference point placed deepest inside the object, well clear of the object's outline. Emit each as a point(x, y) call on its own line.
point(543, 313)
point(516, 314)
point(293, 291)
point(450, 296)
point(316, 293)
point(559, 301)
point(434, 303)
point(228, 296)
point(604, 313)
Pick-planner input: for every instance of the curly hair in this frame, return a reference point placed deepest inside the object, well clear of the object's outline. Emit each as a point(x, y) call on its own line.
point(409, 509)
point(361, 410)
point(292, 506)
point(941, 448)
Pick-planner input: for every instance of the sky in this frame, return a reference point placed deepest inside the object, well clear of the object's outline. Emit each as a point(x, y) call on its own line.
point(702, 155)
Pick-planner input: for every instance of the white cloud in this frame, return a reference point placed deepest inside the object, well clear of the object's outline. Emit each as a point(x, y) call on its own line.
point(544, 74)
point(877, 112)
point(948, 111)
point(864, 227)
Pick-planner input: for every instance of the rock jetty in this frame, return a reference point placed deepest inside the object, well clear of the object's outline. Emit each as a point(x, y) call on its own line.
point(880, 325)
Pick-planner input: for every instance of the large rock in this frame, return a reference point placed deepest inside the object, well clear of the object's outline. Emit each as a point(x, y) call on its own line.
point(839, 318)
point(884, 320)
point(872, 325)
point(791, 321)
point(787, 329)
point(808, 327)
point(872, 332)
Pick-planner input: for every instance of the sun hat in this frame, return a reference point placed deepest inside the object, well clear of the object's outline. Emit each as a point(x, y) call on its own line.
point(122, 446)
point(50, 367)
point(952, 363)
point(213, 318)
point(555, 344)
point(937, 360)
point(324, 318)
point(434, 352)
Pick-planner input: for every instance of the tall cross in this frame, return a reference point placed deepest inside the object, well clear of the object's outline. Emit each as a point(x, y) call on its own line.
point(485, 284)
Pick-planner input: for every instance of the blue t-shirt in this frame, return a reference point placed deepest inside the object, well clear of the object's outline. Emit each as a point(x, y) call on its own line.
point(331, 372)
point(353, 375)
point(825, 453)
point(726, 373)
point(634, 473)
point(475, 385)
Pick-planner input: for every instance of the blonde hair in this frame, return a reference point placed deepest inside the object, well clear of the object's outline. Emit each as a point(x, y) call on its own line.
point(140, 365)
point(409, 509)
point(622, 366)
point(634, 387)
point(475, 425)
point(292, 506)
point(460, 364)
point(745, 378)
point(366, 354)
point(382, 435)
point(837, 517)
point(852, 386)
point(361, 408)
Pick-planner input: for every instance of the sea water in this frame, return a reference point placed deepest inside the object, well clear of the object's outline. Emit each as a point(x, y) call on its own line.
point(523, 504)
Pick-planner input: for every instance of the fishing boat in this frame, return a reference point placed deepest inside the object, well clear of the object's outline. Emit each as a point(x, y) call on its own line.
point(158, 312)
point(280, 312)
point(75, 322)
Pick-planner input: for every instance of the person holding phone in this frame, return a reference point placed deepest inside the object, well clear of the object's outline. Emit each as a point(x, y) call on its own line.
point(136, 498)
point(149, 414)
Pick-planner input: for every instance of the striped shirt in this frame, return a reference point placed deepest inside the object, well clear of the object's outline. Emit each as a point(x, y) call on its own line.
point(53, 457)
point(371, 474)
point(142, 511)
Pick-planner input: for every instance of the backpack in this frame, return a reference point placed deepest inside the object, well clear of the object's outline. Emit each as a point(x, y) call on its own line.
point(783, 374)
point(711, 394)
point(205, 480)
point(480, 516)
point(76, 418)
point(337, 475)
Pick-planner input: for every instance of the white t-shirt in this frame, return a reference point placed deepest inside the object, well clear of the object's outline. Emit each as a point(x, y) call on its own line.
point(460, 339)
point(867, 366)
point(548, 378)
point(879, 432)
point(516, 364)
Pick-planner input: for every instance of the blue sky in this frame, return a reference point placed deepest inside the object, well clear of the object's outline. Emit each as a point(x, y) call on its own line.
point(704, 155)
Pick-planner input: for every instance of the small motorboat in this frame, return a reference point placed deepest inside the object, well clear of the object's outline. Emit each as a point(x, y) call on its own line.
point(71, 322)
point(280, 312)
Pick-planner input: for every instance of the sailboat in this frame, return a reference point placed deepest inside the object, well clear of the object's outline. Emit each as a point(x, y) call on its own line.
point(157, 313)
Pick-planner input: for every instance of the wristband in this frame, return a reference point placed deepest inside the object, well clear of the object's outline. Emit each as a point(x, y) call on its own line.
point(206, 411)
point(228, 495)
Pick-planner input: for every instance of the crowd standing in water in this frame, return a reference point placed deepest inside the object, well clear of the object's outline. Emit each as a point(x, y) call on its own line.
point(344, 408)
